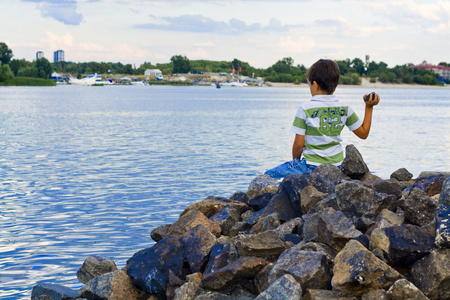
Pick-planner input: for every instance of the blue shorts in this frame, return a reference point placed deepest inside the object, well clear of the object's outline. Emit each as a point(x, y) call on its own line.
point(293, 167)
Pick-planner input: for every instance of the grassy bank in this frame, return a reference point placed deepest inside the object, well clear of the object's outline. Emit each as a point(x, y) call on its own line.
point(28, 81)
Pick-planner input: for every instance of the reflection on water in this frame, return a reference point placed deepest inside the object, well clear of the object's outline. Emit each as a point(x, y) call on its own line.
point(92, 170)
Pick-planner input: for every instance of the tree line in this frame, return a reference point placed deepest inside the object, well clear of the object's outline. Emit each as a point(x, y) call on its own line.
point(284, 70)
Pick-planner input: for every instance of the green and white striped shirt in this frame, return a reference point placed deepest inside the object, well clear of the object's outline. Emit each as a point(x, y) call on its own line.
point(321, 121)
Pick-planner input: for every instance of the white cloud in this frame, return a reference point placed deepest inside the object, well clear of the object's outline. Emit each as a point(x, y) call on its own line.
point(57, 41)
point(64, 11)
point(299, 45)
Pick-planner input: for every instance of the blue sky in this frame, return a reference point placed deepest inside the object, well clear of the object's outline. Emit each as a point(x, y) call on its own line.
point(256, 31)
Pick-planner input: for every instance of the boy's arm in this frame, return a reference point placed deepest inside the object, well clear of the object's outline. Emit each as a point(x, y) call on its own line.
point(363, 131)
point(297, 147)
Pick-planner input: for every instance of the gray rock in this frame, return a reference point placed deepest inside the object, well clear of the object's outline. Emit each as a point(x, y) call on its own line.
point(353, 164)
point(212, 205)
point(264, 244)
point(191, 219)
point(160, 232)
point(197, 243)
point(431, 185)
point(221, 256)
point(309, 229)
point(390, 187)
point(313, 294)
point(329, 252)
point(402, 175)
point(335, 229)
point(443, 226)
point(52, 291)
point(377, 295)
point(419, 208)
point(239, 196)
point(211, 295)
point(330, 201)
point(262, 279)
point(239, 227)
point(187, 291)
point(310, 269)
point(432, 274)
point(403, 289)
point(149, 268)
point(259, 202)
point(358, 271)
point(310, 196)
point(112, 286)
point(262, 184)
point(268, 222)
point(95, 266)
point(354, 199)
point(444, 198)
point(226, 218)
point(330, 173)
point(432, 173)
point(244, 268)
point(387, 218)
point(402, 245)
point(284, 288)
point(291, 227)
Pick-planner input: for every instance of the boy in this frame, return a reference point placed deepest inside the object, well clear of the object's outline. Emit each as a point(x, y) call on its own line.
point(318, 123)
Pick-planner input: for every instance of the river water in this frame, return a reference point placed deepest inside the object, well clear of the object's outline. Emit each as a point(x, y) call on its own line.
point(92, 170)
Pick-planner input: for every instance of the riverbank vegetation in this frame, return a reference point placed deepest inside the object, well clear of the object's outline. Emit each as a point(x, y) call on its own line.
point(284, 70)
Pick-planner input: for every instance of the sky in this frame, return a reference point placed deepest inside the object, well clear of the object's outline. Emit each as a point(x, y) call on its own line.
point(258, 32)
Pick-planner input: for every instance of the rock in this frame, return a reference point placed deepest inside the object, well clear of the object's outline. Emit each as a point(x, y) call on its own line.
point(226, 218)
point(390, 187)
point(149, 268)
point(313, 294)
point(377, 295)
point(432, 274)
point(95, 266)
point(187, 291)
point(52, 291)
point(443, 227)
point(239, 227)
point(402, 175)
point(174, 284)
point(221, 256)
point(210, 295)
point(330, 173)
point(264, 244)
point(432, 173)
point(160, 232)
point(419, 208)
point(354, 199)
point(403, 289)
point(330, 201)
point(259, 202)
point(310, 196)
point(262, 279)
point(289, 227)
point(191, 219)
point(268, 222)
point(431, 185)
point(335, 229)
point(309, 229)
point(358, 271)
point(285, 287)
point(370, 177)
point(244, 268)
point(353, 164)
point(115, 285)
point(197, 243)
point(387, 218)
point(329, 252)
point(310, 269)
point(239, 196)
point(280, 204)
point(402, 245)
point(262, 184)
point(212, 205)
point(444, 198)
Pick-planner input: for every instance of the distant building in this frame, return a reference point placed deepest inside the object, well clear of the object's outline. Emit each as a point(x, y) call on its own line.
point(443, 71)
point(152, 72)
point(39, 55)
point(58, 56)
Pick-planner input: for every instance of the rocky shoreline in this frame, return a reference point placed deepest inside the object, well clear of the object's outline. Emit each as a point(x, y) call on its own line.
point(331, 234)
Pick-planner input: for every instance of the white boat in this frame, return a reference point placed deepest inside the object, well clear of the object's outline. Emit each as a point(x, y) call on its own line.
point(233, 83)
point(137, 82)
point(90, 80)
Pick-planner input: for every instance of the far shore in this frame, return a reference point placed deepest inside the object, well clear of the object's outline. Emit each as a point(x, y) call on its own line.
point(365, 84)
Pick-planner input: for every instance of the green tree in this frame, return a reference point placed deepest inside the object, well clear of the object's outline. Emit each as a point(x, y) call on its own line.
point(5, 72)
point(181, 64)
point(358, 65)
point(44, 68)
point(5, 54)
point(17, 64)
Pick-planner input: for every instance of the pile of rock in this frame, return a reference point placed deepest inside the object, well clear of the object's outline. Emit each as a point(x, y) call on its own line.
point(330, 234)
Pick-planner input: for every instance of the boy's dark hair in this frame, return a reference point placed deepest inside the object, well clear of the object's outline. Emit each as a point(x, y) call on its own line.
point(326, 73)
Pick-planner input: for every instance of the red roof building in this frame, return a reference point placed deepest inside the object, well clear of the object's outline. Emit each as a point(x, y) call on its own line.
point(443, 71)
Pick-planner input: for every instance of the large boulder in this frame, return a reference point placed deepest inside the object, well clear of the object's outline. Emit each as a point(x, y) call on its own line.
point(390, 187)
point(284, 288)
point(419, 208)
point(95, 266)
point(387, 218)
point(191, 219)
point(226, 218)
point(268, 222)
point(358, 271)
point(149, 268)
point(443, 226)
point(52, 291)
point(432, 274)
point(221, 256)
point(444, 198)
point(265, 244)
point(402, 245)
point(197, 243)
point(403, 289)
point(240, 270)
point(212, 205)
point(262, 184)
point(431, 185)
point(353, 164)
point(402, 175)
point(310, 269)
point(310, 196)
point(354, 199)
point(115, 285)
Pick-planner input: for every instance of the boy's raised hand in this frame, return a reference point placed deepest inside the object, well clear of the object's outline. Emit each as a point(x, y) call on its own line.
point(371, 99)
